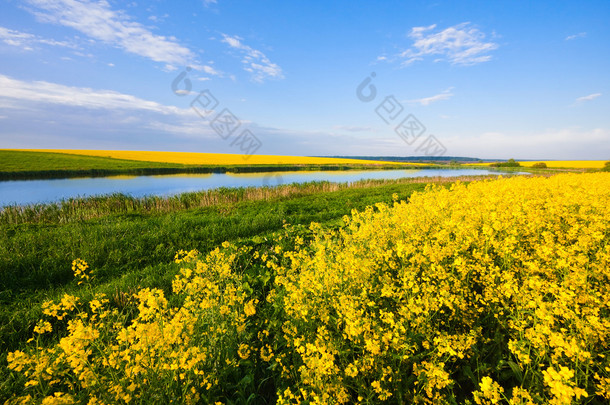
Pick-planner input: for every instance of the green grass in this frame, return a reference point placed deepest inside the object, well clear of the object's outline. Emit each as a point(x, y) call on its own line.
point(78, 209)
point(20, 161)
point(42, 165)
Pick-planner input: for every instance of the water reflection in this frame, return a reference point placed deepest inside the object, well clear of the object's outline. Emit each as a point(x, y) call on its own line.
point(23, 192)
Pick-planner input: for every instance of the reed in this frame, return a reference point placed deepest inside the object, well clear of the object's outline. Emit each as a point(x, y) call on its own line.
point(80, 209)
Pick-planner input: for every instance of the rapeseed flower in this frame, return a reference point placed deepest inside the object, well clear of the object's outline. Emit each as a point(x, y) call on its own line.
point(500, 286)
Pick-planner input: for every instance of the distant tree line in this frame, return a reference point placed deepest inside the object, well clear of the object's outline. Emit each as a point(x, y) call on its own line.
point(509, 163)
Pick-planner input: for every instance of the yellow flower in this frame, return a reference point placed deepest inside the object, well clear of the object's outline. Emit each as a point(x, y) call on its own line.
point(59, 398)
point(80, 269)
point(250, 307)
point(490, 392)
point(521, 397)
point(243, 351)
point(351, 370)
point(418, 288)
point(561, 385)
point(266, 353)
point(43, 327)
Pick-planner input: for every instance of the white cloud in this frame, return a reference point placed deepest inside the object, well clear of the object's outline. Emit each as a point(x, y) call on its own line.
point(254, 61)
point(22, 94)
point(352, 128)
point(210, 70)
point(588, 98)
point(158, 18)
point(188, 129)
point(97, 20)
point(39, 109)
point(461, 44)
point(50, 115)
point(576, 36)
point(445, 95)
point(25, 40)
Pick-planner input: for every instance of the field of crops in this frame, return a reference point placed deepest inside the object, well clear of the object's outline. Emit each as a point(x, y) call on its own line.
point(192, 158)
point(15, 160)
point(491, 292)
point(574, 164)
point(43, 164)
point(131, 242)
point(565, 164)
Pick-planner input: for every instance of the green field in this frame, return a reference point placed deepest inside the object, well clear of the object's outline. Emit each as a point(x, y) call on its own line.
point(132, 242)
point(24, 161)
point(40, 165)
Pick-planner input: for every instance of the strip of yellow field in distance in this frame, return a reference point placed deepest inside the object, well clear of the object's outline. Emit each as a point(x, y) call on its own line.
point(192, 158)
point(568, 164)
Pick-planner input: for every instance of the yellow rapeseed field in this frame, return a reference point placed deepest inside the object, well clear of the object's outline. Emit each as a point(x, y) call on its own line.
point(486, 293)
point(575, 164)
point(568, 164)
point(192, 158)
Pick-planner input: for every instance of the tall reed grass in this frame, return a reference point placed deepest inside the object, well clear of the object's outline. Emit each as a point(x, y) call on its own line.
point(62, 173)
point(78, 209)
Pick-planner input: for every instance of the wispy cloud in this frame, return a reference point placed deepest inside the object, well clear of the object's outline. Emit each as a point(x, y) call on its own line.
point(24, 94)
point(575, 36)
point(99, 21)
point(210, 70)
point(158, 18)
point(445, 95)
point(255, 62)
point(352, 128)
point(39, 114)
point(45, 108)
point(27, 41)
point(461, 44)
point(588, 98)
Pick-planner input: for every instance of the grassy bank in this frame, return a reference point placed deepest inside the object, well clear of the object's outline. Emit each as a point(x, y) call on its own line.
point(19, 165)
point(78, 209)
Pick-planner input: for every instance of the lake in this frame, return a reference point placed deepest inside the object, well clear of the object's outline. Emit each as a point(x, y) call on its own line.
point(24, 192)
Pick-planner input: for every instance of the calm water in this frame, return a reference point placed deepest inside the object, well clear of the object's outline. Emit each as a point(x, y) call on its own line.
point(23, 192)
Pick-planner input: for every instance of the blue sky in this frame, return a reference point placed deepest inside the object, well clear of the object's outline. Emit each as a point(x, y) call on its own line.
point(496, 79)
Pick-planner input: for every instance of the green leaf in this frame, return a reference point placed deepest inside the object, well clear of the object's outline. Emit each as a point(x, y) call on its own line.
point(516, 370)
